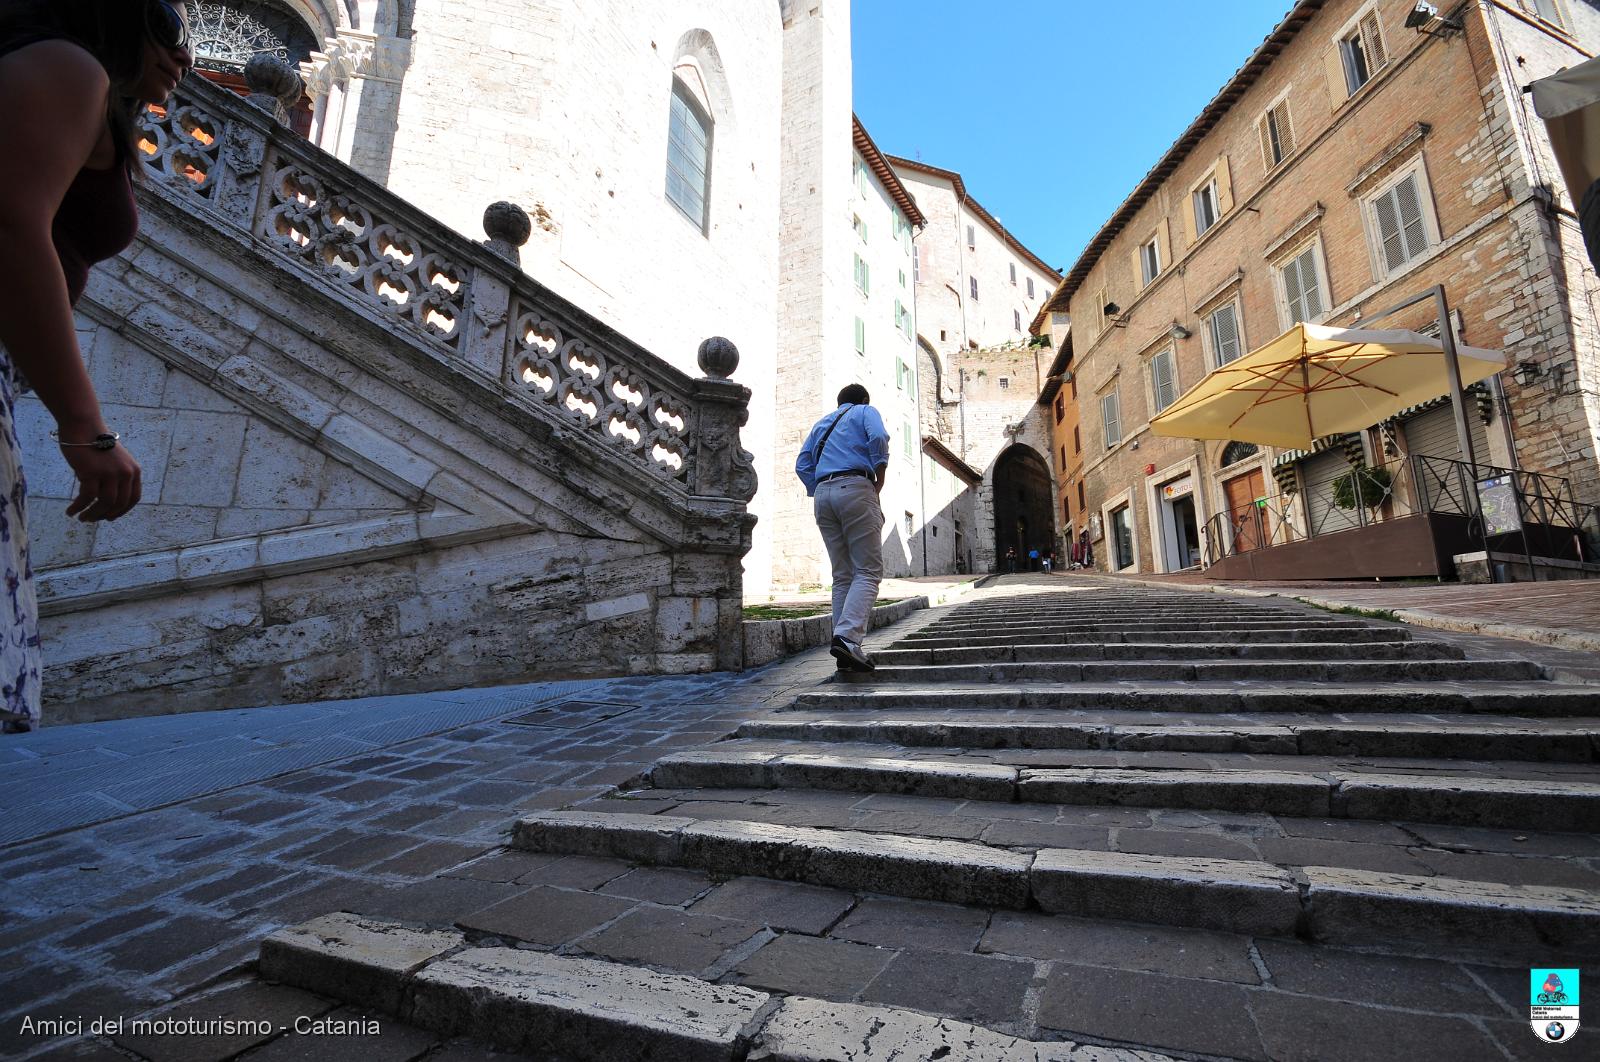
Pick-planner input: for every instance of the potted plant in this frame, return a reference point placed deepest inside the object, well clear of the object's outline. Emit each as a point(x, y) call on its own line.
point(1363, 485)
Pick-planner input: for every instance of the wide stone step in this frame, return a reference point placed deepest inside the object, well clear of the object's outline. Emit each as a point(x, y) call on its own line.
point(1537, 700)
point(1216, 650)
point(1202, 671)
point(1464, 794)
point(1154, 620)
point(1252, 635)
point(1331, 904)
point(1461, 737)
point(590, 1010)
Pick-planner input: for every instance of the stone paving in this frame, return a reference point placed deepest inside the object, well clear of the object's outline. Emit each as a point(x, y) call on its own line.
point(161, 911)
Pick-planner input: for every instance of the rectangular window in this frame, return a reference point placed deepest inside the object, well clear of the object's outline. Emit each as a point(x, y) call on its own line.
point(1302, 287)
point(1080, 495)
point(1150, 260)
point(1206, 208)
point(1005, 383)
point(689, 156)
point(1061, 411)
point(863, 275)
point(1399, 224)
point(1163, 379)
point(1223, 327)
point(916, 266)
point(1063, 455)
point(910, 452)
point(1030, 287)
point(909, 531)
point(902, 374)
point(1016, 320)
point(1077, 443)
point(1121, 538)
point(972, 238)
point(1111, 417)
point(1550, 11)
point(1277, 134)
point(863, 180)
point(861, 229)
point(902, 278)
point(861, 336)
point(1074, 388)
point(1013, 272)
point(972, 283)
point(1066, 510)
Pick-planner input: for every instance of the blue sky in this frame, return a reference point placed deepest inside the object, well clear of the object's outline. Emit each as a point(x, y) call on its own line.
point(1050, 109)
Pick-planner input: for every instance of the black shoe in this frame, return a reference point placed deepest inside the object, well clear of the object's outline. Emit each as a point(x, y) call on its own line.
point(851, 658)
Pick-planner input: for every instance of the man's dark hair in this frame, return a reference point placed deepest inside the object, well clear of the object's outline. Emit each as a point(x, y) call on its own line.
point(854, 395)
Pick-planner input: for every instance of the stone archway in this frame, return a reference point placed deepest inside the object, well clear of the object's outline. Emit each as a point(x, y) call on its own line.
point(1024, 506)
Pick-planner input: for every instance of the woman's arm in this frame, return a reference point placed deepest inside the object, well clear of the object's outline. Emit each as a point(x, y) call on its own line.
point(53, 99)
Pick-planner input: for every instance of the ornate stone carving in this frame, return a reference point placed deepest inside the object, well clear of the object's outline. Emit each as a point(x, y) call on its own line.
point(594, 390)
point(508, 227)
point(180, 144)
point(718, 358)
point(346, 243)
point(274, 86)
point(353, 54)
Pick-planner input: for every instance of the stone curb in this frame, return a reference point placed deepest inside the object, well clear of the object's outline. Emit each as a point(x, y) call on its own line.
point(589, 1010)
point(1242, 896)
point(1552, 636)
point(774, 639)
point(1206, 671)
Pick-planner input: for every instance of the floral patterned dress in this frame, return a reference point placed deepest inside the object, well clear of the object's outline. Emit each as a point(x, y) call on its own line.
point(19, 651)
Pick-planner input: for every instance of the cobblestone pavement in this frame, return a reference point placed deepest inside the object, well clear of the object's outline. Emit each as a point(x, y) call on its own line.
point(160, 910)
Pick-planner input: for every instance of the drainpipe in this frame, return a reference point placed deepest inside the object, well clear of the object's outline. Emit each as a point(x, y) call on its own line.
point(916, 377)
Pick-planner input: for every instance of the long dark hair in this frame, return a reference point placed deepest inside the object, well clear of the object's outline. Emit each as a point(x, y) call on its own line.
point(113, 31)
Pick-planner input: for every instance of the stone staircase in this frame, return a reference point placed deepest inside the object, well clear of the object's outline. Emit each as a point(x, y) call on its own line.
point(1122, 765)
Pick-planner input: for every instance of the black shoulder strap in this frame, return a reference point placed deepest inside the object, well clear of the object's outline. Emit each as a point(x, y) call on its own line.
point(822, 446)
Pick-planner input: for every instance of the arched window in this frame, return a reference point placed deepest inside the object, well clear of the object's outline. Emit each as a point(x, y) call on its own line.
point(689, 156)
point(1235, 452)
point(226, 36)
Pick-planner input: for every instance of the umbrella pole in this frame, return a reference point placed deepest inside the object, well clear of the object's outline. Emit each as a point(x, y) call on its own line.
point(1458, 402)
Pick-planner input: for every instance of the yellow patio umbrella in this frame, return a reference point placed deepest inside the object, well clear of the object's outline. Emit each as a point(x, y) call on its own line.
point(1315, 380)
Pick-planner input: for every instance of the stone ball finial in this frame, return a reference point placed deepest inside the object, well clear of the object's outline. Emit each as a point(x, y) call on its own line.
point(269, 76)
point(718, 358)
point(507, 223)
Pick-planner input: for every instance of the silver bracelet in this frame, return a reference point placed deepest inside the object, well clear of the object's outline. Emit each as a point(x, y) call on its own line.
point(104, 441)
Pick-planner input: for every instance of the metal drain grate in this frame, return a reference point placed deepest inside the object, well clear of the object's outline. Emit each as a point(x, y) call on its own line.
point(572, 715)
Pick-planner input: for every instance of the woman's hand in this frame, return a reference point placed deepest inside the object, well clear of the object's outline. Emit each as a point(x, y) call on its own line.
point(108, 482)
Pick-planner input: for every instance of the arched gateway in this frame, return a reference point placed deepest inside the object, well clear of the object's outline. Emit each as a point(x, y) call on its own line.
point(1024, 513)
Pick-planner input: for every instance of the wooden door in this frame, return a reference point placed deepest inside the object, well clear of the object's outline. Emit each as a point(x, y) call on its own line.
point(1244, 516)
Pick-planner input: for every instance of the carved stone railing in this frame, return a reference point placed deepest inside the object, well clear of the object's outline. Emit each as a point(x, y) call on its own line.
point(466, 303)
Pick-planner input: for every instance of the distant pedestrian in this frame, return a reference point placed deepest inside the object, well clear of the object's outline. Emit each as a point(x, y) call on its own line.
point(1033, 560)
point(1011, 559)
point(1048, 557)
point(843, 464)
point(74, 74)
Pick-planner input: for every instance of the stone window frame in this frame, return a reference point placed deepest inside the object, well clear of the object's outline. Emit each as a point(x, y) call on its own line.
point(1280, 263)
point(683, 92)
point(1110, 507)
point(1365, 21)
point(1416, 167)
point(1283, 123)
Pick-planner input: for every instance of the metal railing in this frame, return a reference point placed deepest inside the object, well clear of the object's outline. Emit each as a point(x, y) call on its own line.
point(1550, 522)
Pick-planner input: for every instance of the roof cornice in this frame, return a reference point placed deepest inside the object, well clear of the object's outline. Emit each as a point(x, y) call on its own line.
point(885, 173)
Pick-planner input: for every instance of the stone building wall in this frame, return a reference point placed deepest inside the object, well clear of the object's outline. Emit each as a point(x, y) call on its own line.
point(349, 493)
point(1494, 253)
point(562, 108)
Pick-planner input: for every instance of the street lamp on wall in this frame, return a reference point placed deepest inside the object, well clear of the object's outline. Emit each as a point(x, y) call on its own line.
point(1425, 18)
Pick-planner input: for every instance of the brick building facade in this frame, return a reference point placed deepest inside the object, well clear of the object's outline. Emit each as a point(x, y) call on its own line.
point(1351, 162)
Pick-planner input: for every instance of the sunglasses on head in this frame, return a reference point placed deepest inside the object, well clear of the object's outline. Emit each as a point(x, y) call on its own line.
point(166, 27)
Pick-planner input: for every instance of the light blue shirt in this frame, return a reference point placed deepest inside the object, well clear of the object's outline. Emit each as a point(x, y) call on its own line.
point(859, 444)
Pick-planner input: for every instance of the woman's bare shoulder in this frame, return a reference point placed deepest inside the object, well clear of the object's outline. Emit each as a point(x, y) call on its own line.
point(60, 65)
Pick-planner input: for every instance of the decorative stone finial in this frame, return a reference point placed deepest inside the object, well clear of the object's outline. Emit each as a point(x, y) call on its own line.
point(508, 227)
point(718, 358)
point(272, 78)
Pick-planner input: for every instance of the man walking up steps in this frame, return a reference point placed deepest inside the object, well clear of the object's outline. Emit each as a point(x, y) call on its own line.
point(843, 464)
